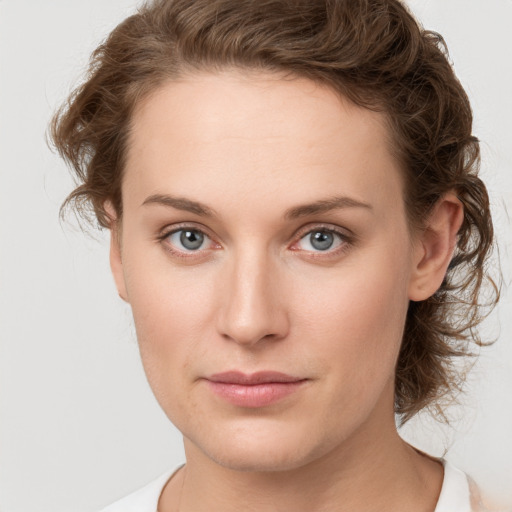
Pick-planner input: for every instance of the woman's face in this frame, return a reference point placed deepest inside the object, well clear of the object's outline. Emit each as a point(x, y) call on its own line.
point(265, 253)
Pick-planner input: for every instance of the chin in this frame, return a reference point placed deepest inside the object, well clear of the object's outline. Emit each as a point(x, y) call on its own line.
point(258, 461)
point(262, 449)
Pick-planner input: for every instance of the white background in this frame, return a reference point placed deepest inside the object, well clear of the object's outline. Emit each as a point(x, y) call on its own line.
point(79, 426)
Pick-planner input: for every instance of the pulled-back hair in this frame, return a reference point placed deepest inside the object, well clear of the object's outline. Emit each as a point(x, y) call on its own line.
point(371, 51)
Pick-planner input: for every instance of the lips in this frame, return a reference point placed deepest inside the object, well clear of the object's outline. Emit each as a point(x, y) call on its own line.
point(254, 390)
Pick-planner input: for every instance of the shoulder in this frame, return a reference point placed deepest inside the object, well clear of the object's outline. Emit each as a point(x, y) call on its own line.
point(459, 493)
point(143, 500)
point(455, 492)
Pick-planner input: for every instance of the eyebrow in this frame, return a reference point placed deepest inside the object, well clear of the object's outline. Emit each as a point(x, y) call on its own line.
point(197, 208)
point(180, 203)
point(324, 206)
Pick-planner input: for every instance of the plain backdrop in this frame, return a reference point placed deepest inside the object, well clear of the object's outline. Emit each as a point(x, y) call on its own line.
point(79, 426)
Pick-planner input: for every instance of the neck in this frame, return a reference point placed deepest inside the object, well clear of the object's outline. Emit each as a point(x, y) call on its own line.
point(378, 471)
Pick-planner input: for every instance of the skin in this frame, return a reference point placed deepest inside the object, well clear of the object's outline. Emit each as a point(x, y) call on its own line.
point(252, 149)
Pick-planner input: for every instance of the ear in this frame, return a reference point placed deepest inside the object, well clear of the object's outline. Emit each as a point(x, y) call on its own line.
point(116, 261)
point(434, 247)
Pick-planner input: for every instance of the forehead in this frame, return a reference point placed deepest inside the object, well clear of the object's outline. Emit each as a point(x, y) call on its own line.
point(257, 133)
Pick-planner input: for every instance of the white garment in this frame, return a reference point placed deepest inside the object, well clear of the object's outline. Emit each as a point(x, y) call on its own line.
point(454, 497)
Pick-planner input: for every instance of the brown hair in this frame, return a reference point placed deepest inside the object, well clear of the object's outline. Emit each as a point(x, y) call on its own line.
point(372, 52)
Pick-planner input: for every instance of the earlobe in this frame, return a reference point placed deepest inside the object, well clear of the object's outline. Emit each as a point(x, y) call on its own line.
point(116, 262)
point(434, 247)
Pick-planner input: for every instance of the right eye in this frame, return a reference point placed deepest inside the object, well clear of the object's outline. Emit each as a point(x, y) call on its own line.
point(187, 240)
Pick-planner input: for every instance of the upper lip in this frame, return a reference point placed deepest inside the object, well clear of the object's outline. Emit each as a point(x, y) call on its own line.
point(237, 377)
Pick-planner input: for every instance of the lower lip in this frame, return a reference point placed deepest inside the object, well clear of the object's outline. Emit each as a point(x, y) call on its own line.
point(257, 395)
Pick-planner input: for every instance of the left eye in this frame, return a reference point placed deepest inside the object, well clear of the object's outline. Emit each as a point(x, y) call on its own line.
point(320, 240)
point(188, 239)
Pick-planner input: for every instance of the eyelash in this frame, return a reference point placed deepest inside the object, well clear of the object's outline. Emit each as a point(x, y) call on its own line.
point(176, 229)
point(345, 239)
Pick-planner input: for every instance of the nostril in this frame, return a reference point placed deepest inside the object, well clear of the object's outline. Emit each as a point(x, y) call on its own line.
point(267, 329)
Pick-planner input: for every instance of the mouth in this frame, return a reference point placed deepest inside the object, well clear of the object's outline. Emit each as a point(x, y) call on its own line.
point(254, 390)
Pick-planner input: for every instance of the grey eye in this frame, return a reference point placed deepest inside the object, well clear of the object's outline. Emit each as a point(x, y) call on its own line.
point(188, 239)
point(321, 240)
point(191, 240)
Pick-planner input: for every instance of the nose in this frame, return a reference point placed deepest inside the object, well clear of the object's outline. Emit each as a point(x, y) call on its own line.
point(252, 304)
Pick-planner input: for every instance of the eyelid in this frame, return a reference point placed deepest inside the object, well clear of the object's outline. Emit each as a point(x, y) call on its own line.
point(346, 235)
point(183, 226)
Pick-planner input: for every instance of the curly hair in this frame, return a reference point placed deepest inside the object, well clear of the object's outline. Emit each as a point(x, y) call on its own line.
point(372, 52)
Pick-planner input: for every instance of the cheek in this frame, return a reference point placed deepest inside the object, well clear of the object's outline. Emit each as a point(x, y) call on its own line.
point(170, 345)
point(357, 319)
point(170, 309)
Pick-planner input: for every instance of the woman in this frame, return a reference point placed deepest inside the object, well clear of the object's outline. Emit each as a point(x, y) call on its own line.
point(298, 225)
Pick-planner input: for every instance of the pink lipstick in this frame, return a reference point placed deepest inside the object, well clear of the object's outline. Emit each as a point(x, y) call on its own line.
point(253, 390)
